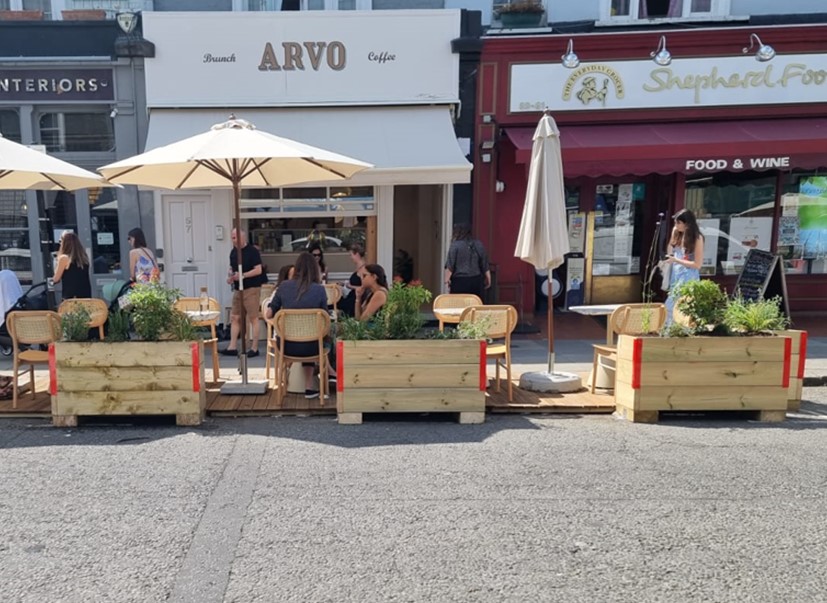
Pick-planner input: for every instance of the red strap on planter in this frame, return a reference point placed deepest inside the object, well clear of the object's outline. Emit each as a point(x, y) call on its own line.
point(196, 368)
point(637, 360)
point(788, 358)
point(340, 366)
point(483, 365)
point(802, 354)
point(52, 370)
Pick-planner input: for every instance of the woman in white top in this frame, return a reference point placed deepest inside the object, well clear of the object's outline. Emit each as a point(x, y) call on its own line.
point(141, 260)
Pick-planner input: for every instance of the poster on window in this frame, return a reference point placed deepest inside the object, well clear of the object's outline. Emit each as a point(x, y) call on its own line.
point(788, 230)
point(577, 229)
point(746, 234)
point(575, 286)
point(812, 216)
point(710, 227)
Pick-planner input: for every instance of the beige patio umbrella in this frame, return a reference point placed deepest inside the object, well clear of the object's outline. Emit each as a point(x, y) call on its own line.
point(543, 236)
point(22, 168)
point(233, 154)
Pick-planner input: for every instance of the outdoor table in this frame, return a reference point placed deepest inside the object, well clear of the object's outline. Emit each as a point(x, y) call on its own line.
point(203, 316)
point(603, 379)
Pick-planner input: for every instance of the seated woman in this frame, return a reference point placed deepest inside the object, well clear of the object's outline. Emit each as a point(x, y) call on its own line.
point(374, 291)
point(304, 291)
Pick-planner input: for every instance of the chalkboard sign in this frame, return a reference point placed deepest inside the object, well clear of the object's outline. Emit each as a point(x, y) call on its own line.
point(762, 277)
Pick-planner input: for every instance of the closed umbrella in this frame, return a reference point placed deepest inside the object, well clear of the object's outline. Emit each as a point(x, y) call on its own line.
point(233, 154)
point(22, 168)
point(543, 237)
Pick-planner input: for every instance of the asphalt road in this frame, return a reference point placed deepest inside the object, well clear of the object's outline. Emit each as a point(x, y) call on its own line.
point(560, 508)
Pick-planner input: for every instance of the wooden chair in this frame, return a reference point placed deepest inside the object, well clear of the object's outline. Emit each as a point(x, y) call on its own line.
point(267, 290)
point(298, 326)
point(453, 301)
point(334, 294)
point(500, 321)
point(628, 319)
point(31, 328)
point(193, 304)
point(98, 311)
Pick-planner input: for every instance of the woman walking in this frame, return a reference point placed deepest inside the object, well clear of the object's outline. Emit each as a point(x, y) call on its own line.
point(466, 269)
point(686, 257)
point(72, 267)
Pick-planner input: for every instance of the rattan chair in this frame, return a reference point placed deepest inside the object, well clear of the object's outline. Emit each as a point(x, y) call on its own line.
point(453, 301)
point(31, 328)
point(628, 319)
point(334, 294)
point(98, 311)
point(500, 321)
point(298, 326)
point(193, 304)
point(267, 290)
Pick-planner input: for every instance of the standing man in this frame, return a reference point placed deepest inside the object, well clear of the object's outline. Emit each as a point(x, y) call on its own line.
point(254, 277)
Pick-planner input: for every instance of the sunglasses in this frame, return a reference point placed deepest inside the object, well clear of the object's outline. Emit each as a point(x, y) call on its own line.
point(316, 255)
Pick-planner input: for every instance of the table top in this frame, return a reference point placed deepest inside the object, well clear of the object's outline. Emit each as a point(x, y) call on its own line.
point(203, 316)
point(597, 310)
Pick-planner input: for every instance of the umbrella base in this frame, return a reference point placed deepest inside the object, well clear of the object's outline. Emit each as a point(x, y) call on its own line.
point(241, 388)
point(543, 381)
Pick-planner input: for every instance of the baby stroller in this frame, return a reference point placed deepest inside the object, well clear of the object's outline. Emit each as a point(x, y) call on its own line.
point(114, 291)
point(36, 298)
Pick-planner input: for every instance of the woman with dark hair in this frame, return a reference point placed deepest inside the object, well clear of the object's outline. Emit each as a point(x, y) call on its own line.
point(466, 269)
point(72, 267)
point(374, 291)
point(354, 285)
point(141, 260)
point(315, 249)
point(286, 273)
point(303, 291)
point(687, 256)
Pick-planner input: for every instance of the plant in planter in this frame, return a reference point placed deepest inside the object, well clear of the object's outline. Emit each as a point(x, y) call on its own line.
point(75, 324)
point(521, 13)
point(389, 364)
point(725, 359)
point(159, 373)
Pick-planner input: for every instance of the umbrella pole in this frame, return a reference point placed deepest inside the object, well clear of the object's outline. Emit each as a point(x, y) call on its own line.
point(550, 325)
point(242, 353)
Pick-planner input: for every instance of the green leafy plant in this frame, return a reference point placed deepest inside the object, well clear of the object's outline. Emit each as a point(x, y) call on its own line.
point(75, 324)
point(181, 328)
point(476, 329)
point(762, 316)
point(521, 6)
point(354, 329)
point(401, 313)
point(704, 304)
point(153, 317)
point(117, 326)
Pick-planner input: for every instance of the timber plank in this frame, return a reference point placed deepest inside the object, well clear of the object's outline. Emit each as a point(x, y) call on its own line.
point(410, 352)
point(708, 349)
point(418, 375)
point(415, 400)
point(712, 398)
point(124, 354)
point(117, 378)
point(127, 403)
point(690, 373)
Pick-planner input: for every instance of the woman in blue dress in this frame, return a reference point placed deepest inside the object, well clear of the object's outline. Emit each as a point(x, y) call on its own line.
point(686, 257)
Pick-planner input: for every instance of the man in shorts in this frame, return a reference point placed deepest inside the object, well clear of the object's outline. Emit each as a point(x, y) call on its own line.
point(253, 275)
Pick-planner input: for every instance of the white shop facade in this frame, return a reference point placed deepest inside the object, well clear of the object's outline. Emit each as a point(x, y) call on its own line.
point(379, 87)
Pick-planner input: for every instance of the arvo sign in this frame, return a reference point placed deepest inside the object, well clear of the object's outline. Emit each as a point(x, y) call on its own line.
point(292, 55)
point(719, 165)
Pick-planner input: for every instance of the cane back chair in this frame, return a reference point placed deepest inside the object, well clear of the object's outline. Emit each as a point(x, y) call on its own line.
point(31, 328)
point(98, 312)
point(500, 321)
point(193, 304)
point(453, 301)
point(311, 325)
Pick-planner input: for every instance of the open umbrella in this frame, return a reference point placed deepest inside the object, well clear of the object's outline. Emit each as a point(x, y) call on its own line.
point(22, 168)
point(233, 154)
point(543, 238)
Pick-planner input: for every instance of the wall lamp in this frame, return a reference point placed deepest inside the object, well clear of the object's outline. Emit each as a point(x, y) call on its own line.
point(570, 59)
point(764, 53)
point(661, 55)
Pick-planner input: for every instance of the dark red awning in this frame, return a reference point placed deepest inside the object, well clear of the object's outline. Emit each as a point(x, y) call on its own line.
point(689, 148)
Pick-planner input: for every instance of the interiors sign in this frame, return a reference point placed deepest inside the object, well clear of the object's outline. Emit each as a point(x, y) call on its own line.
point(685, 83)
point(56, 85)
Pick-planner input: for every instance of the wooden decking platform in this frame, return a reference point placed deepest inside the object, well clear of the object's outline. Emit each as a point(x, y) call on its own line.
point(524, 401)
point(265, 404)
point(40, 406)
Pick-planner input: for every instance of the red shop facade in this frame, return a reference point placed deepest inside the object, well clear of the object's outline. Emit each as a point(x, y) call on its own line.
point(741, 142)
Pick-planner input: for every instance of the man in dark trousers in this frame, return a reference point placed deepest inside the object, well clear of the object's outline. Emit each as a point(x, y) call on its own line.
point(253, 275)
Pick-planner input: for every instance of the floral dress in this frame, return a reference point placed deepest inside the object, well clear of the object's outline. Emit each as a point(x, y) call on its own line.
point(677, 275)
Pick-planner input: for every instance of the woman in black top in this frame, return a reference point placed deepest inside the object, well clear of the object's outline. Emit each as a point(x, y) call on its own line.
point(348, 303)
point(466, 269)
point(73, 267)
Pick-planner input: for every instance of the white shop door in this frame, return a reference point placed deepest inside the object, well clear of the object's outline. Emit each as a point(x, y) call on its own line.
point(186, 242)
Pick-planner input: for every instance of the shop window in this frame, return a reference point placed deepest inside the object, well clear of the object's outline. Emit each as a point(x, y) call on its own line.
point(77, 132)
point(336, 4)
point(15, 247)
point(624, 11)
point(735, 213)
point(802, 225)
point(618, 223)
point(103, 212)
point(308, 201)
point(10, 125)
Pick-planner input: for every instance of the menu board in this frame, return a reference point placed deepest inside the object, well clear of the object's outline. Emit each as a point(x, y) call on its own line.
point(762, 277)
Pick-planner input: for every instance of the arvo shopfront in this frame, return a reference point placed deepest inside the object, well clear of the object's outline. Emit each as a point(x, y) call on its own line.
point(382, 88)
point(741, 142)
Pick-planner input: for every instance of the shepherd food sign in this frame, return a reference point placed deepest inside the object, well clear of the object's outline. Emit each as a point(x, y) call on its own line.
point(302, 58)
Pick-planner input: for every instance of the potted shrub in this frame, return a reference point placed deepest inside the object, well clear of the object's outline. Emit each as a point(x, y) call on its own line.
point(724, 355)
point(521, 13)
point(150, 363)
point(387, 365)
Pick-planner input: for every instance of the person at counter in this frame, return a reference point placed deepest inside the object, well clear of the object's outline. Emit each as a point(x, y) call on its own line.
point(303, 292)
point(686, 257)
point(253, 277)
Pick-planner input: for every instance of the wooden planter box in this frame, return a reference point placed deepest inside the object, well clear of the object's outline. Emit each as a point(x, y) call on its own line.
point(797, 360)
point(411, 376)
point(702, 373)
point(127, 378)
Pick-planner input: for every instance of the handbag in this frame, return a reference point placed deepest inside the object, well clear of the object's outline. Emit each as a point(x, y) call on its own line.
point(665, 267)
